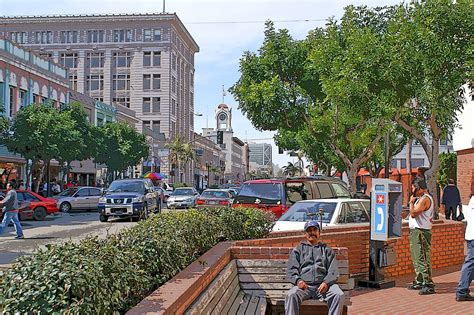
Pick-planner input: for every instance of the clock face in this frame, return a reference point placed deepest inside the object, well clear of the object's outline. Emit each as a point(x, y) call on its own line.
point(222, 116)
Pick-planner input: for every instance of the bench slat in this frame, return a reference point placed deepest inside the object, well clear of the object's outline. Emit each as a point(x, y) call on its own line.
point(226, 297)
point(236, 304)
point(261, 307)
point(229, 302)
point(281, 301)
point(244, 270)
point(276, 278)
point(217, 285)
point(244, 304)
point(252, 306)
point(261, 263)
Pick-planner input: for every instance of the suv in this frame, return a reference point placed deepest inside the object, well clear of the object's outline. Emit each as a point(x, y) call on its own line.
point(277, 195)
point(129, 198)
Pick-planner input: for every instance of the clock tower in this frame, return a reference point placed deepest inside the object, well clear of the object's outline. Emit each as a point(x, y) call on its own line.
point(224, 118)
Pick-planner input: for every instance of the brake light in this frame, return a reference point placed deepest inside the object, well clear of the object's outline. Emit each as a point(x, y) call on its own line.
point(224, 202)
point(200, 201)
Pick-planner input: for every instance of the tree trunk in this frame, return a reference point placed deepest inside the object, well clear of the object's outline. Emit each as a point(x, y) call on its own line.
point(41, 176)
point(408, 155)
point(430, 176)
point(352, 177)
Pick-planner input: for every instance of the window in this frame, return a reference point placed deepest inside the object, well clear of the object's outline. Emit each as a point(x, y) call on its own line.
point(95, 82)
point(44, 37)
point(121, 82)
point(121, 36)
point(122, 59)
point(340, 190)
point(173, 62)
point(192, 79)
point(173, 107)
point(155, 104)
point(151, 35)
point(95, 36)
point(46, 55)
point(156, 126)
point(82, 193)
point(156, 81)
point(12, 100)
point(99, 99)
point(94, 192)
point(173, 129)
point(152, 58)
point(173, 84)
point(417, 163)
point(69, 37)
point(100, 119)
point(124, 101)
point(73, 81)
point(23, 98)
point(146, 81)
point(146, 124)
point(95, 60)
point(353, 212)
point(19, 37)
point(146, 105)
point(69, 60)
point(325, 190)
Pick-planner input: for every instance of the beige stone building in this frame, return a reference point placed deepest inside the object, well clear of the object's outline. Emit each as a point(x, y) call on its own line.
point(141, 61)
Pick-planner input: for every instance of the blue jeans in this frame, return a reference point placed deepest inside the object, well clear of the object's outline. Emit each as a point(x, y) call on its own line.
point(13, 216)
point(467, 271)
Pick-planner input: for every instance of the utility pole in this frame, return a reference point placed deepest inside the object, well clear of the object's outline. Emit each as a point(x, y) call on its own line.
point(164, 5)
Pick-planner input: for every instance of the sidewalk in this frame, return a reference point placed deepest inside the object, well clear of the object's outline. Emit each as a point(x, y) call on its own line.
point(399, 300)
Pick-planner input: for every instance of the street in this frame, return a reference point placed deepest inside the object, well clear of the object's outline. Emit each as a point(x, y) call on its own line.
point(55, 229)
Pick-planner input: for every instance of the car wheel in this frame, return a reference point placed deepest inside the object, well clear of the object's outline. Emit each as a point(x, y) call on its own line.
point(103, 218)
point(39, 214)
point(65, 207)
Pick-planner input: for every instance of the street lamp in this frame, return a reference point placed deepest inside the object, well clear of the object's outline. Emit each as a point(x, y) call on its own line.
point(198, 114)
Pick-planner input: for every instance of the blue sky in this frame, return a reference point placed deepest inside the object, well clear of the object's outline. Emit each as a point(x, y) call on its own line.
point(221, 45)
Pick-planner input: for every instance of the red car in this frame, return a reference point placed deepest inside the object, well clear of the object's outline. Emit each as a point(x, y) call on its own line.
point(33, 206)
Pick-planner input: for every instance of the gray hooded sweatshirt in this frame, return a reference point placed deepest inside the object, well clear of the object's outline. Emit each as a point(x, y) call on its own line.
point(313, 264)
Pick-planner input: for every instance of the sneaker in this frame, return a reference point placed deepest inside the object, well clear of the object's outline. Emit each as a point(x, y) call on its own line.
point(20, 237)
point(414, 286)
point(465, 298)
point(426, 291)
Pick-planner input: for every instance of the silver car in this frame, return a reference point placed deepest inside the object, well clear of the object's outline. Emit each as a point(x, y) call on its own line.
point(78, 198)
point(184, 197)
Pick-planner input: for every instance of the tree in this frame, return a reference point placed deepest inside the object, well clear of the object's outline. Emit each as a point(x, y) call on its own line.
point(3, 122)
point(431, 41)
point(447, 168)
point(291, 169)
point(181, 153)
point(119, 146)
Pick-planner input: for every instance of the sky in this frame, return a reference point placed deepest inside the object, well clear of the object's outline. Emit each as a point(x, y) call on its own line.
point(223, 29)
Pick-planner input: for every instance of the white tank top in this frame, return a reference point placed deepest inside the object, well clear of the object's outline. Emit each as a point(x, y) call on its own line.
point(423, 221)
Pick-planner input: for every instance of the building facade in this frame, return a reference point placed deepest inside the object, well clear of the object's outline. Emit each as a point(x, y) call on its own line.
point(418, 155)
point(26, 78)
point(209, 166)
point(233, 147)
point(142, 61)
point(463, 144)
point(260, 157)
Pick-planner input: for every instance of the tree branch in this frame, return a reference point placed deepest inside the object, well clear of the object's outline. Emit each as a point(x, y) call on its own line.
point(412, 130)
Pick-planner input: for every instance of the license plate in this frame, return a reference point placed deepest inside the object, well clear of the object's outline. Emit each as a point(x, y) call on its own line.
point(212, 202)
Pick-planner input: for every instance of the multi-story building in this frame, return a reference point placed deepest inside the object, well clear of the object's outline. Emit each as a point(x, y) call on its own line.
point(210, 164)
point(142, 61)
point(26, 78)
point(418, 155)
point(260, 157)
point(233, 147)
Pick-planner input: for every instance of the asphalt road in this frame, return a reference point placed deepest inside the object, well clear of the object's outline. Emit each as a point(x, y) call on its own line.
point(56, 229)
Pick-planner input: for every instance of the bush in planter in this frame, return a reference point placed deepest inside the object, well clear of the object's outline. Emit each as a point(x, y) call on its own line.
point(112, 275)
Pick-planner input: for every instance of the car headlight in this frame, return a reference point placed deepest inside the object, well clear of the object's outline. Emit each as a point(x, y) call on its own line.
point(137, 199)
point(102, 200)
point(189, 200)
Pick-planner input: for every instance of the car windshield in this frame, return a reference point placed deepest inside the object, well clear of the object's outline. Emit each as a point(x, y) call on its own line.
point(266, 191)
point(126, 186)
point(215, 194)
point(68, 192)
point(306, 211)
point(182, 192)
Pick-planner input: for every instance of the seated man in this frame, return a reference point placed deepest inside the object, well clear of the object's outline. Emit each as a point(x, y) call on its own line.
point(312, 268)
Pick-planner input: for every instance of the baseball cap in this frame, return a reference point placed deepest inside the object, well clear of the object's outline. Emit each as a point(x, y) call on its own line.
point(310, 224)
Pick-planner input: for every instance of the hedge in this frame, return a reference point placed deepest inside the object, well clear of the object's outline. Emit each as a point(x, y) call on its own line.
point(112, 275)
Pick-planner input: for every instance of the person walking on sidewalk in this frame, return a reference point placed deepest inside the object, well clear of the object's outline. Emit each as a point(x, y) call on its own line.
point(9, 207)
point(312, 268)
point(419, 222)
point(451, 200)
point(467, 270)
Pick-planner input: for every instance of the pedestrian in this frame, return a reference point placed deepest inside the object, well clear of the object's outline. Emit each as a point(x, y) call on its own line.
point(9, 207)
point(467, 270)
point(21, 185)
point(45, 189)
point(312, 268)
point(451, 200)
point(419, 222)
point(56, 188)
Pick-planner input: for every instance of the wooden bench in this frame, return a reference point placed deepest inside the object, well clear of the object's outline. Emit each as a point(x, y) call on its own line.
point(259, 286)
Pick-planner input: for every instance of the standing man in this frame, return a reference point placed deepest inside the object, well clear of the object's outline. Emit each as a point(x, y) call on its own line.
point(312, 268)
point(467, 270)
point(419, 222)
point(451, 200)
point(9, 207)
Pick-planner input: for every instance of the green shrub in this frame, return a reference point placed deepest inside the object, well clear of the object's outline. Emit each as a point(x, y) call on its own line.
point(112, 275)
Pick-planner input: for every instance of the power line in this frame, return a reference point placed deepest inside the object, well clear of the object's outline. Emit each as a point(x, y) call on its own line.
point(255, 22)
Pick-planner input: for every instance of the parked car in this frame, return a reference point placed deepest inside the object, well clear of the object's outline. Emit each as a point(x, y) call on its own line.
point(184, 197)
point(129, 198)
point(33, 206)
point(78, 198)
point(214, 198)
point(277, 195)
point(334, 212)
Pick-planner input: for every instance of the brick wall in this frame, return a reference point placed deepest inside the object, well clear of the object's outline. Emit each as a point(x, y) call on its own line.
point(465, 174)
point(447, 246)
